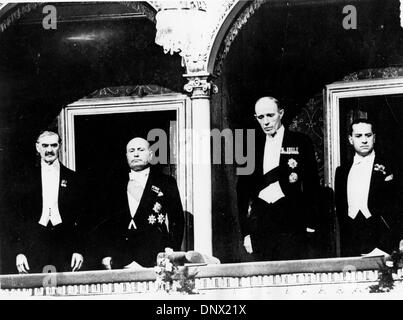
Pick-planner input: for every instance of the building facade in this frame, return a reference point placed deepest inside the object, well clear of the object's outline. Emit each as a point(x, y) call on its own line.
point(194, 69)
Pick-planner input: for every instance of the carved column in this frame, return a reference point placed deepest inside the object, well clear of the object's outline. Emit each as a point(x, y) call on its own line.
point(200, 90)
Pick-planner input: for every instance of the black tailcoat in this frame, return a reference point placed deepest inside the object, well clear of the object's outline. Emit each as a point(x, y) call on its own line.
point(50, 245)
point(299, 181)
point(362, 235)
point(160, 201)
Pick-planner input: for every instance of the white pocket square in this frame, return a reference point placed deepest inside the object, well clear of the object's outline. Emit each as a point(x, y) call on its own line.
point(389, 177)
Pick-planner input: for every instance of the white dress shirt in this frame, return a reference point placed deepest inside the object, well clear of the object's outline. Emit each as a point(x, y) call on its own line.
point(271, 160)
point(135, 189)
point(50, 175)
point(358, 182)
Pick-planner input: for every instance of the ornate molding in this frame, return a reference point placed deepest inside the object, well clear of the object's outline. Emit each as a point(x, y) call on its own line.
point(160, 4)
point(155, 4)
point(219, 10)
point(142, 8)
point(233, 32)
point(379, 73)
point(196, 55)
point(22, 10)
point(200, 87)
point(16, 13)
point(310, 121)
point(125, 91)
point(226, 7)
point(196, 61)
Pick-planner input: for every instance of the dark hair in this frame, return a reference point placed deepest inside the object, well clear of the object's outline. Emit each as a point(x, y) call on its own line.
point(361, 120)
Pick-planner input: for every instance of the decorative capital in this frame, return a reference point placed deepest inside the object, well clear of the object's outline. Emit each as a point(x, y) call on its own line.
point(200, 87)
point(201, 19)
point(242, 19)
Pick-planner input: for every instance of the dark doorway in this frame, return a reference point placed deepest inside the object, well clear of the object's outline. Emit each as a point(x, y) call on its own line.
point(386, 112)
point(100, 140)
point(100, 157)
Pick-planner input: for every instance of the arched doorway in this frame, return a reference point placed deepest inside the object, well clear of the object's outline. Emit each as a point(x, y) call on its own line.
point(292, 51)
point(95, 45)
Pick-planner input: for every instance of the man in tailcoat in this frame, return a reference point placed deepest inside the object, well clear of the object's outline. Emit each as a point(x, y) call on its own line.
point(276, 203)
point(48, 209)
point(366, 196)
point(144, 213)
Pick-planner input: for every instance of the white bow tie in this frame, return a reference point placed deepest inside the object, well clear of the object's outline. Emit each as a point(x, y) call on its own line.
point(366, 159)
point(138, 176)
point(361, 160)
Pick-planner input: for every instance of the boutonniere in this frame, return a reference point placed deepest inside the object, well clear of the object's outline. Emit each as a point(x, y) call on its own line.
point(63, 183)
point(380, 168)
point(157, 207)
point(293, 177)
point(292, 163)
point(160, 194)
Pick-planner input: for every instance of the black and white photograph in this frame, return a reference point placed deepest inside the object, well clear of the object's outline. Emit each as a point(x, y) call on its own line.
point(201, 150)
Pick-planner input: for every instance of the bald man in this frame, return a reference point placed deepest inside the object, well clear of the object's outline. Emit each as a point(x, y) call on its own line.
point(277, 201)
point(145, 213)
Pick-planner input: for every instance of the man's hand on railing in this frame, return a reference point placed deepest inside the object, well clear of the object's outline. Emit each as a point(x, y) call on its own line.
point(22, 263)
point(107, 263)
point(247, 243)
point(76, 261)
